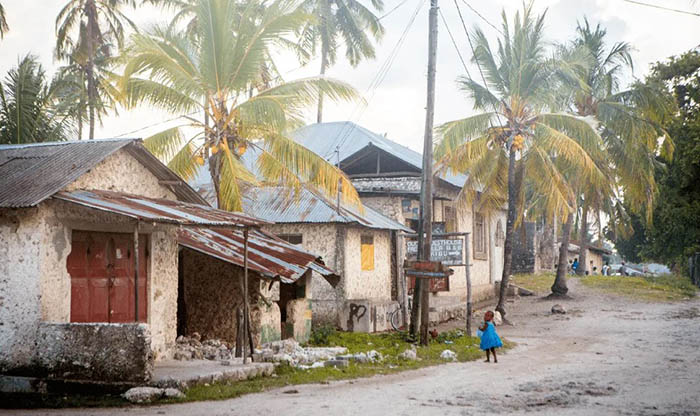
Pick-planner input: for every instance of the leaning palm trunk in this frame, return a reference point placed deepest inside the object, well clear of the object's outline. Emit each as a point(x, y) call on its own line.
point(559, 287)
point(324, 65)
point(583, 242)
point(510, 225)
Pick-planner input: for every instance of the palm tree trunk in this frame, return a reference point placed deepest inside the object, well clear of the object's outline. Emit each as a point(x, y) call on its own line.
point(324, 65)
point(583, 241)
point(91, 17)
point(508, 244)
point(559, 287)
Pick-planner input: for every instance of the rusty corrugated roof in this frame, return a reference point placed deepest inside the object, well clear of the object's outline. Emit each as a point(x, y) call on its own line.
point(30, 173)
point(267, 254)
point(157, 210)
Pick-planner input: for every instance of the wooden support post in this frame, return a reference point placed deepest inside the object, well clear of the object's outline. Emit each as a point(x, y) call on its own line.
point(246, 310)
point(136, 272)
point(402, 286)
point(425, 234)
point(467, 272)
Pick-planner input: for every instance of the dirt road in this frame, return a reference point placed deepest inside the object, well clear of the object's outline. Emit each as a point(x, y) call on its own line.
point(605, 356)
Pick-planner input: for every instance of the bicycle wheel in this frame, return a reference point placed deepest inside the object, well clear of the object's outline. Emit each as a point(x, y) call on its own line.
point(396, 319)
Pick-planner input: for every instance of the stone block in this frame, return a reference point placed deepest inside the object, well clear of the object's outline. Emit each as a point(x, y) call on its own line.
point(99, 351)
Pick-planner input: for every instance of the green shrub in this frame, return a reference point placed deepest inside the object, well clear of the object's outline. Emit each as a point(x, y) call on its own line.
point(321, 336)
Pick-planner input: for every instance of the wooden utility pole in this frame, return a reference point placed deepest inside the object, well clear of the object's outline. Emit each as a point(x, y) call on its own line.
point(425, 235)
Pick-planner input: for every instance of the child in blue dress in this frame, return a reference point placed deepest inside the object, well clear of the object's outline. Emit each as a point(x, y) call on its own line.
point(489, 338)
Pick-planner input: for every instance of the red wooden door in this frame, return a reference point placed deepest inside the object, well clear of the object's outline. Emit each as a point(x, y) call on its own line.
point(101, 266)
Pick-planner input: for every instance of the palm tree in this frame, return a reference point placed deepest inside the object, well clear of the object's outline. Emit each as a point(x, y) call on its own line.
point(336, 20)
point(216, 72)
point(94, 26)
point(4, 28)
point(28, 110)
point(517, 100)
point(630, 123)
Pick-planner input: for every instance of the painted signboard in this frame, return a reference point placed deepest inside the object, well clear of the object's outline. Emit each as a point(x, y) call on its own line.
point(447, 251)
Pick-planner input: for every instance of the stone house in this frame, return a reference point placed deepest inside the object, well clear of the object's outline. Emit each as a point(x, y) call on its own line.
point(387, 177)
point(360, 246)
point(90, 282)
point(594, 256)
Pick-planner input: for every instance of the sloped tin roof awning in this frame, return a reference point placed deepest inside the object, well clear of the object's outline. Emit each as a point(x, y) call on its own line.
point(158, 210)
point(268, 255)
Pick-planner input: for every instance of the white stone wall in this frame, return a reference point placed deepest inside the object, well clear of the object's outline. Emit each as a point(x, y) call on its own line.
point(120, 172)
point(34, 245)
point(368, 284)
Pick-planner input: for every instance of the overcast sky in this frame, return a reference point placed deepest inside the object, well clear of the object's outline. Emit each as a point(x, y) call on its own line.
point(397, 106)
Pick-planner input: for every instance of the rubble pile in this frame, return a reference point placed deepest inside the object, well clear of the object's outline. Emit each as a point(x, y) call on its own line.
point(192, 347)
point(289, 351)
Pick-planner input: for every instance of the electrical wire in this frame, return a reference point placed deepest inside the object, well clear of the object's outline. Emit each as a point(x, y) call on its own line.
point(668, 9)
point(360, 108)
point(483, 18)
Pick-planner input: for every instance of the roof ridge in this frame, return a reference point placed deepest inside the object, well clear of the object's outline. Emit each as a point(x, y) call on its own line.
point(66, 142)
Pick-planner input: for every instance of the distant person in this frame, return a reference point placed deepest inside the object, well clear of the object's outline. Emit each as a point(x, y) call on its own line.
point(489, 338)
point(595, 270)
point(591, 266)
point(574, 266)
point(623, 269)
point(606, 269)
point(569, 267)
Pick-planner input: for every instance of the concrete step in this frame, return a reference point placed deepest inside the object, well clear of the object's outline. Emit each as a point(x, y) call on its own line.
point(185, 374)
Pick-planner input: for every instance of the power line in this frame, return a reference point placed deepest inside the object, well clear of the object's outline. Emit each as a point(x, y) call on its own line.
point(483, 18)
point(478, 65)
point(360, 108)
point(454, 43)
point(655, 6)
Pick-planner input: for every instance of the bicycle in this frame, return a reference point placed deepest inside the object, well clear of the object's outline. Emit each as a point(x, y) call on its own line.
point(395, 317)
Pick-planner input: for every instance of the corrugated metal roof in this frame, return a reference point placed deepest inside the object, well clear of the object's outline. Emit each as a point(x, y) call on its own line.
point(280, 205)
point(30, 173)
point(323, 138)
point(267, 254)
point(157, 210)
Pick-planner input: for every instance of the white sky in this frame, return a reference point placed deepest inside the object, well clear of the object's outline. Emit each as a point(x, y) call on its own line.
point(398, 105)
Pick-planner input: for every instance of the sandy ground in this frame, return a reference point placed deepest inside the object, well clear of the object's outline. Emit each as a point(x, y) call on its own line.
point(606, 356)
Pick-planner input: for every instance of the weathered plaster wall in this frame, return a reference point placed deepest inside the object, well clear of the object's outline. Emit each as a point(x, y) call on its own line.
point(20, 293)
point(35, 243)
point(483, 271)
point(325, 240)
point(212, 292)
point(367, 284)
point(120, 172)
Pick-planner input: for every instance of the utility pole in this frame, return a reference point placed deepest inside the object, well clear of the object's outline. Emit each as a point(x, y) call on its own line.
point(425, 234)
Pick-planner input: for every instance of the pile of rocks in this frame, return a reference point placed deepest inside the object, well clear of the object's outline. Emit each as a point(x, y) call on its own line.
point(289, 351)
point(193, 348)
point(145, 394)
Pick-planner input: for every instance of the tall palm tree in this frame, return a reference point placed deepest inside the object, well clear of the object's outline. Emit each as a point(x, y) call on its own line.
point(630, 123)
point(216, 73)
point(518, 132)
point(4, 28)
point(28, 106)
point(336, 21)
point(94, 26)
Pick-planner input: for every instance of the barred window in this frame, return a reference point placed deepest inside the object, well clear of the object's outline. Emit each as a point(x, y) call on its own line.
point(480, 237)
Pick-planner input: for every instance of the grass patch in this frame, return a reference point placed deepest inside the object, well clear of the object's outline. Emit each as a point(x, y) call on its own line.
point(667, 287)
point(539, 283)
point(390, 345)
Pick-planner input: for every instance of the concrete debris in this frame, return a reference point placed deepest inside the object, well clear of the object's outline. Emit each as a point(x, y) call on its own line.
point(150, 394)
point(193, 348)
point(448, 355)
point(497, 319)
point(363, 357)
point(336, 363)
point(409, 354)
point(558, 309)
point(289, 351)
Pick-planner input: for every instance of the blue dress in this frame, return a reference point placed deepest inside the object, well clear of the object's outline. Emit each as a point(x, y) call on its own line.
point(490, 339)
